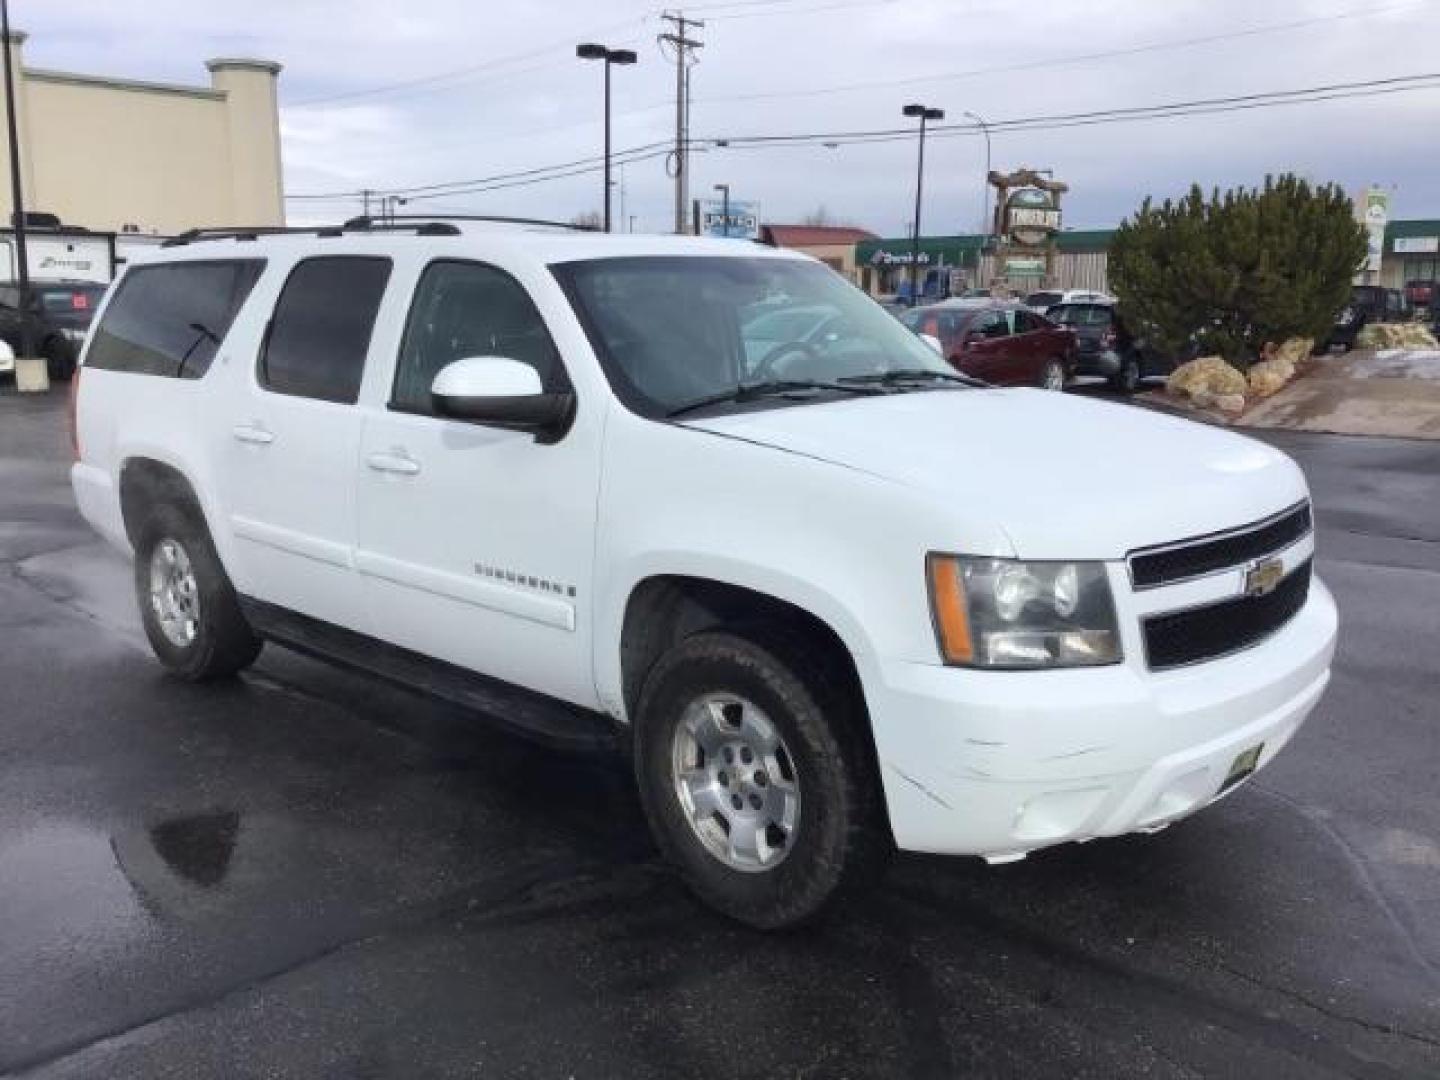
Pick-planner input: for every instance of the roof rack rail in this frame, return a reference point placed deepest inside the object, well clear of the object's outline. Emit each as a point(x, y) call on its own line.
point(245, 232)
point(389, 220)
point(425, 227)
point(421, 224)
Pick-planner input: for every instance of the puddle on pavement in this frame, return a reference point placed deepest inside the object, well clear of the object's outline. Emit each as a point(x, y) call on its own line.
point(61, 887)
point(198, 848)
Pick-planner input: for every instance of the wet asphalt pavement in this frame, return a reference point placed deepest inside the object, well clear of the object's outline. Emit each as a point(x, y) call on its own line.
point(307, 874)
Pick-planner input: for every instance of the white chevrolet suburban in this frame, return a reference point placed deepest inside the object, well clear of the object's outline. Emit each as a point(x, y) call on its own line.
point(832, 595)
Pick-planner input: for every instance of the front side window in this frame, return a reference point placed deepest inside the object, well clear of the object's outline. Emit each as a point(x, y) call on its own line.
point(465, 309)
point(169, 319)
point(320, 332)
point(672, 330)
point(992, 324)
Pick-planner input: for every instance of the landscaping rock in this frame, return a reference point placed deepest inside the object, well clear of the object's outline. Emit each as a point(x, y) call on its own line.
point(1230, 404)
point(1395, 336)
point(1269, 376)
point(1209, 374)
point(1294, 350)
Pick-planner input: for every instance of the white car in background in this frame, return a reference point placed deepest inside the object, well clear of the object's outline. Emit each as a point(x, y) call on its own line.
point(1042, 301)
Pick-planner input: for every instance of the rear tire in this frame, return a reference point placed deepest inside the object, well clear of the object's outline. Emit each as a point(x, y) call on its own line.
point(756, 780)
point(189, 608)
point(59, 364)
point(1052, 376)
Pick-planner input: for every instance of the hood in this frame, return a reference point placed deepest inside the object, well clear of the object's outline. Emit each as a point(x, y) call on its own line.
point(1064, 477)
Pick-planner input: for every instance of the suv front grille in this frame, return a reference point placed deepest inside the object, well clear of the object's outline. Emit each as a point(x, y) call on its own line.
point(1164, 565)
point(1176, 638)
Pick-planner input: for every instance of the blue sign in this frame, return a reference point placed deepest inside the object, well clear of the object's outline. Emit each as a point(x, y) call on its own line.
point(743, 222)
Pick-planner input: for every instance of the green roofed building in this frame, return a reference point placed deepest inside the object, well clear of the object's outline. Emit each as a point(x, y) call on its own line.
point(950, 264)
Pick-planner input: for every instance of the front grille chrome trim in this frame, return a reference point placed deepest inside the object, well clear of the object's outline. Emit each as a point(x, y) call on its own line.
point(1146, 579)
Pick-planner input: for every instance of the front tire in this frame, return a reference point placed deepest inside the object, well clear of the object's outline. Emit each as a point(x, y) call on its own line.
point(755, 781)
point(187, 604)
point(1127, 379)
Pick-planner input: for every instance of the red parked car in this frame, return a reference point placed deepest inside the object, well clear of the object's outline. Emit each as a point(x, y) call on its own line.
point(1002, 343)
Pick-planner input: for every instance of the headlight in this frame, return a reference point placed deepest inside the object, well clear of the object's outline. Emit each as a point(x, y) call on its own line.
point(1003, 613)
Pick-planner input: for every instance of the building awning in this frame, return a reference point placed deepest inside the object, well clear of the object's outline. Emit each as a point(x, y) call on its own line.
point(934, 251)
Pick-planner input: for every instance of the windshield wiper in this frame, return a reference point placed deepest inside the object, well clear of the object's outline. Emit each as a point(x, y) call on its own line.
point(756, 390)
point(901, 375)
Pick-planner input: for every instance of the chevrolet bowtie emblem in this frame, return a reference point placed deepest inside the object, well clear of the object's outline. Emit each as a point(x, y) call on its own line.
point(1262, 578)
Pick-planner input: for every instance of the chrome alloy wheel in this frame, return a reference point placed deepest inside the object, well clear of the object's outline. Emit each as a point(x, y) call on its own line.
point(736, 782)
point(1054, 378)
point(174, 593)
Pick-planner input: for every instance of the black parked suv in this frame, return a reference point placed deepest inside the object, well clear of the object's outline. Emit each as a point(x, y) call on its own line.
point(1368, 303)
point(1107, 347)
point(60, 313)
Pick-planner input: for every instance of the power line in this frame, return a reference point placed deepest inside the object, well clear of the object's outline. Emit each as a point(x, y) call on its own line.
point(1422, 81)
point(464, 73)
point(1078, 58)
point(1165, 110)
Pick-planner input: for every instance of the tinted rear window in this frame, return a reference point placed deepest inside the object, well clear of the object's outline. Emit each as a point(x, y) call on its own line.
point(321, 329)
point(171, 319)
point(1080, 314)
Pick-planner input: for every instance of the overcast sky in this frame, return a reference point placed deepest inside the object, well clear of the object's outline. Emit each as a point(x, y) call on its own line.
point(501, 91)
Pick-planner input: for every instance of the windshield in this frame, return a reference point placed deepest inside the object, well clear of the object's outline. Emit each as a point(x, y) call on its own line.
point(1043, 299)
point(674, 330)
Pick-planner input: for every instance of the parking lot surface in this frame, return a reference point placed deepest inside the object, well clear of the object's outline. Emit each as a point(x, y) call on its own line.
point(306, 873)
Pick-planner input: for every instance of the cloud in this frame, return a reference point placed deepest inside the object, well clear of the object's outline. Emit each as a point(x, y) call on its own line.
point(477, 88)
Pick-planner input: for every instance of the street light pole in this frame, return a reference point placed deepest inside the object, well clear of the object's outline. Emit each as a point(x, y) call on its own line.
point(925, 114)
point(591, 51)
point(17, 193)
point(724, 190)
point(985, 223)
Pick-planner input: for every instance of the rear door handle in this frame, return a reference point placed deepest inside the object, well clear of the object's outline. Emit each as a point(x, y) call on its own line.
point(395, 461)
point(253, 433)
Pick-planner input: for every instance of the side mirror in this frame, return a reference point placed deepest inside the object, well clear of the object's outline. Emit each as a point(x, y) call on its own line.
point(502, 393)
point(934, 343)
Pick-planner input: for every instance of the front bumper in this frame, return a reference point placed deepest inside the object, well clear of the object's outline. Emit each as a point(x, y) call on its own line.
point(1002, 763)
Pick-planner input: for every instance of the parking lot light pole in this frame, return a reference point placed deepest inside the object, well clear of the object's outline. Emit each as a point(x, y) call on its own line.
point(17, 194)
point(925, 114)
point(592, 51)
point(724, 190)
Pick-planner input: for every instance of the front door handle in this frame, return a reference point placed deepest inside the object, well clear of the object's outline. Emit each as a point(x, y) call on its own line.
point(253, 433)
point(394, 461)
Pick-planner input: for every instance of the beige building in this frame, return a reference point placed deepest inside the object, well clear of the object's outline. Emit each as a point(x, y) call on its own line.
point(834, 245)
point(124, 155)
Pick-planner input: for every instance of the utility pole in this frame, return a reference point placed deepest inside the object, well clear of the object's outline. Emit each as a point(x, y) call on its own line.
point(684, 47)
point(17, 193)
